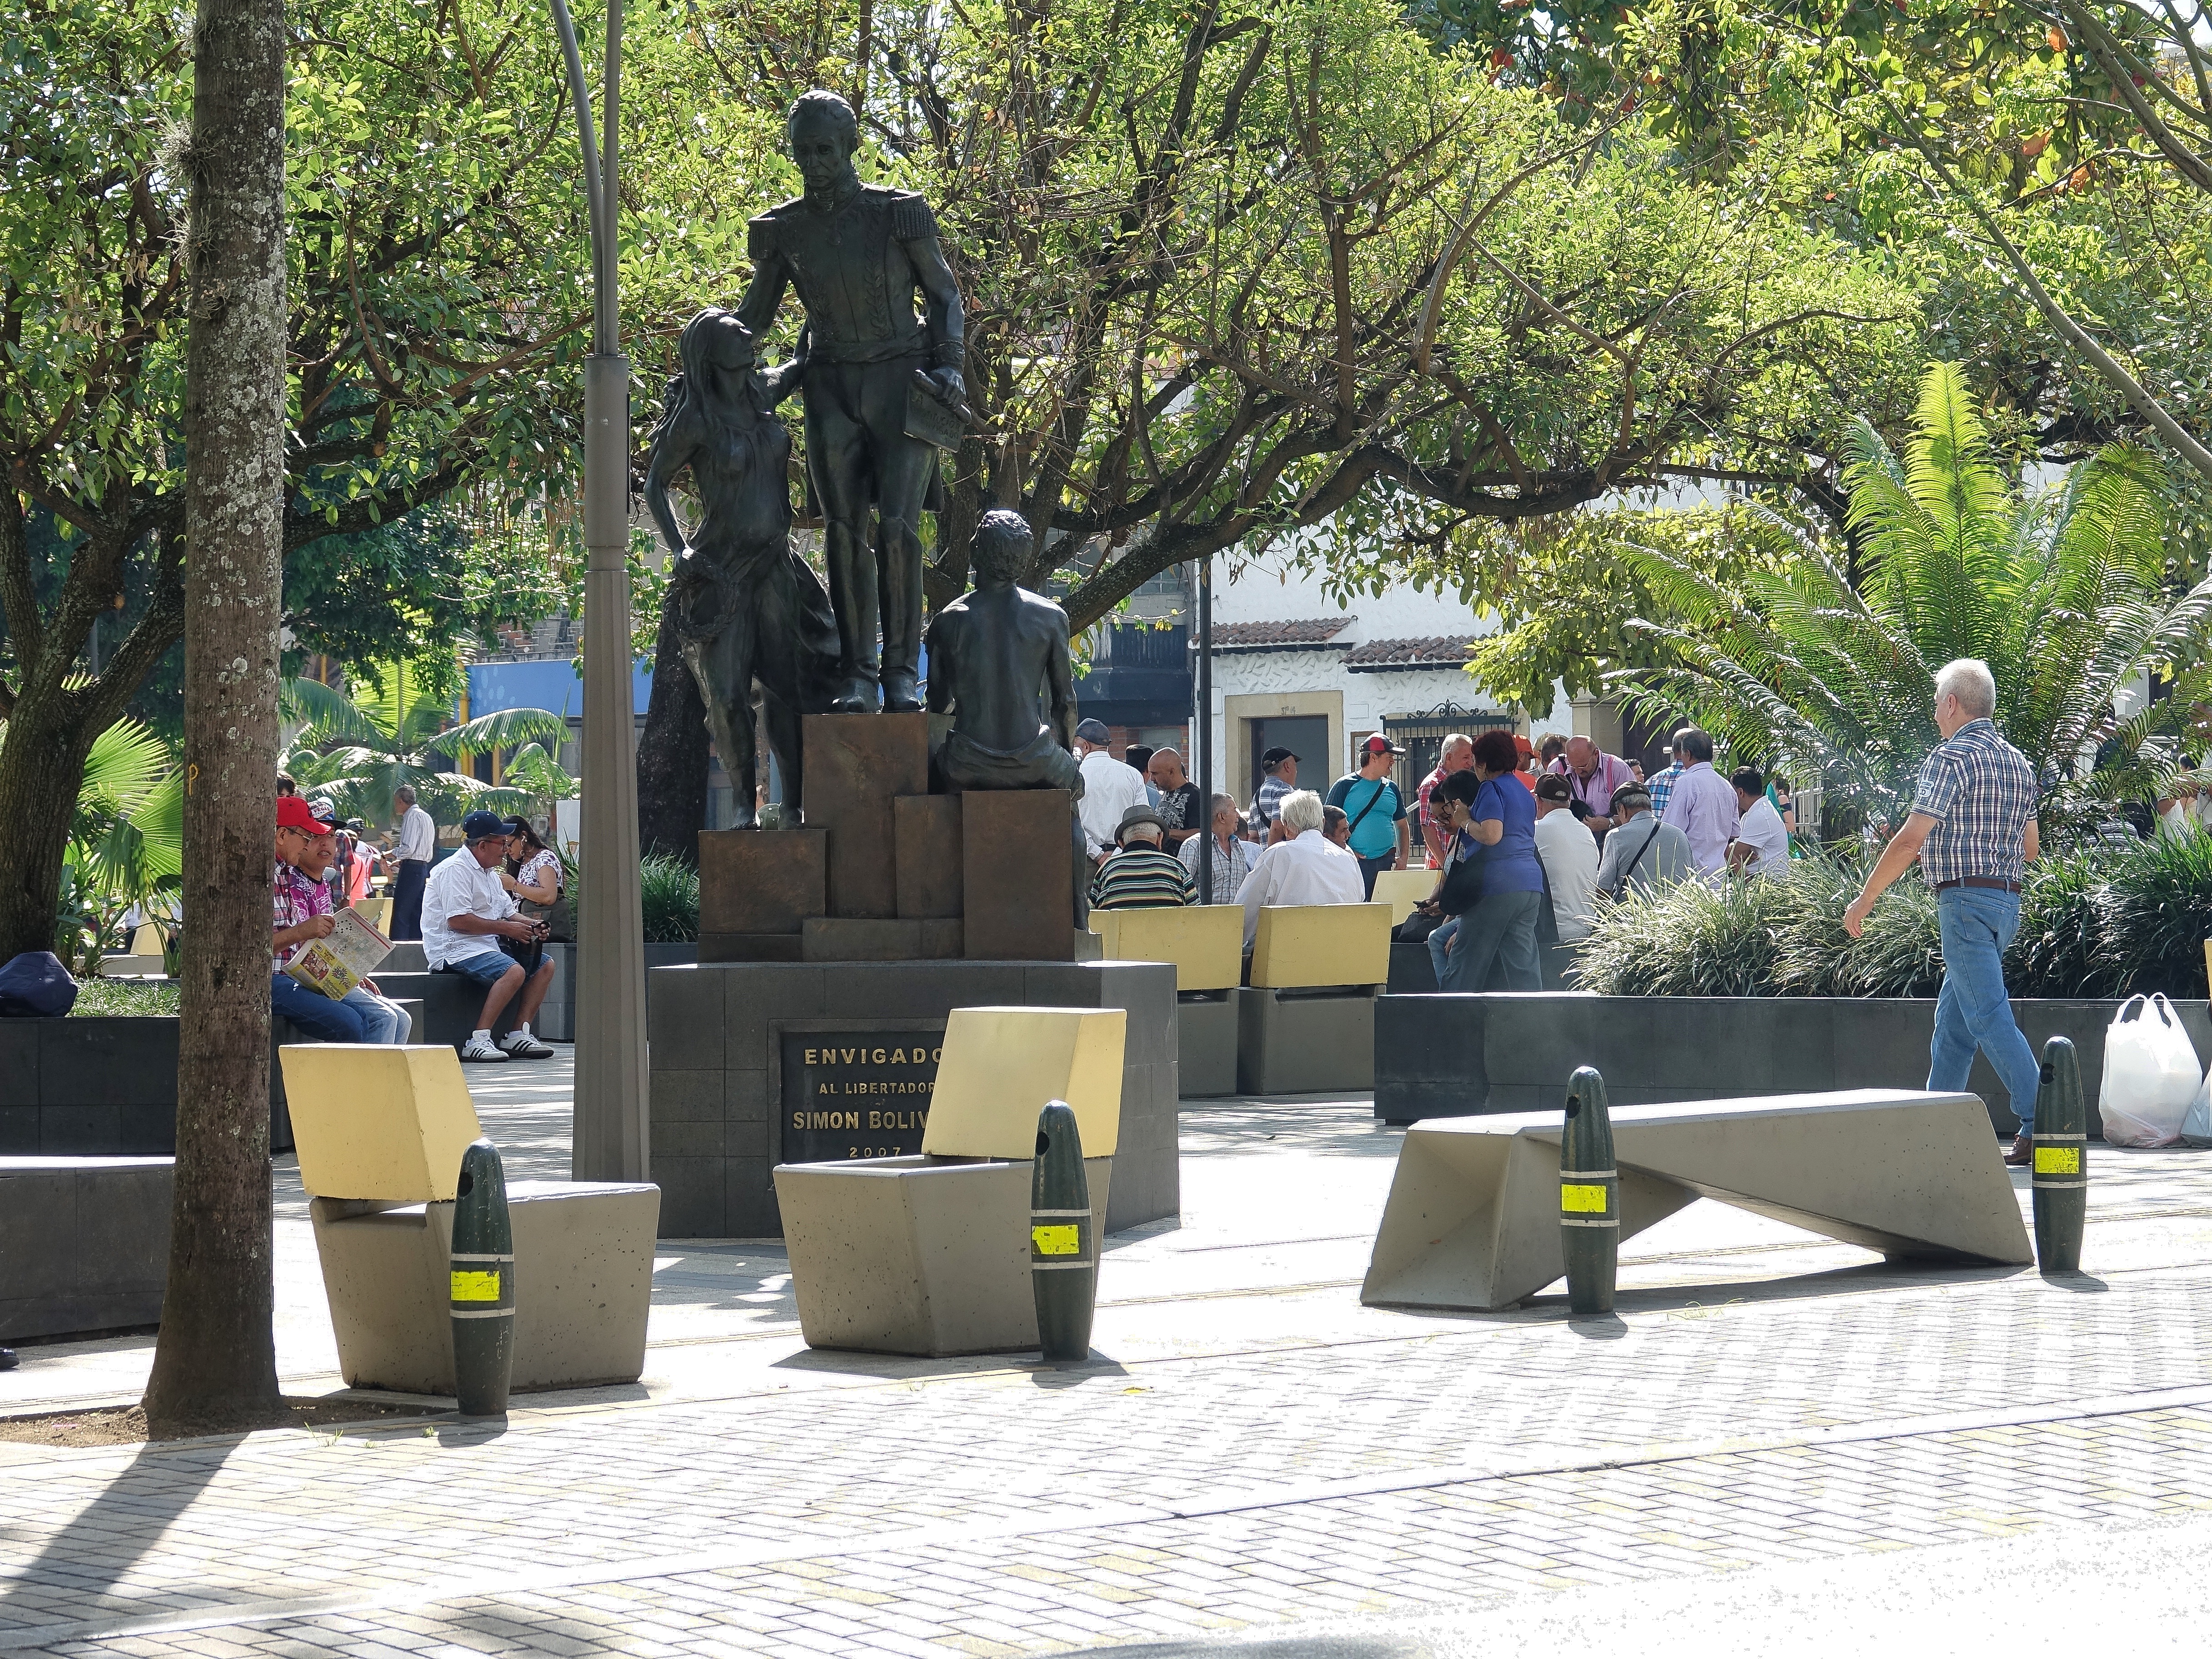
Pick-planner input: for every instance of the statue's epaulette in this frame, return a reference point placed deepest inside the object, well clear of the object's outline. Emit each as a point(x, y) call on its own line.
point(761, 230)
point(911, 219)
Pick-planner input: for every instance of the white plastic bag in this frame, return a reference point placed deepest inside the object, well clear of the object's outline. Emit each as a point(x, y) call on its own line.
point(2150, 1074)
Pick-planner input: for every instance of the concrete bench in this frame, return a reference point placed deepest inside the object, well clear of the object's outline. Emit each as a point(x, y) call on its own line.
point(931, 1255)
point(84, 1244)
point(380, 1133)
point(1305, 1021)
point(1402, 889)
point(1206, 944)
point(1472, 1219)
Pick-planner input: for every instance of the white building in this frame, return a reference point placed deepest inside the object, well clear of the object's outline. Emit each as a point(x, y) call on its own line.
point(1296, 669)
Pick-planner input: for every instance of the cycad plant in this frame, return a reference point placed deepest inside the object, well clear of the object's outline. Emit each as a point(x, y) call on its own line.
point(2058, 590)
point(356, 748)
point(126, 840)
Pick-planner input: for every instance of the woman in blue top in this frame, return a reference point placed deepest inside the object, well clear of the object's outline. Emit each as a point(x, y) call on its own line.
point(1501, 926)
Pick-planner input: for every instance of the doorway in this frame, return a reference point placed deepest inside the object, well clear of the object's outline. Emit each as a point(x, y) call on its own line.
point(1306, 736)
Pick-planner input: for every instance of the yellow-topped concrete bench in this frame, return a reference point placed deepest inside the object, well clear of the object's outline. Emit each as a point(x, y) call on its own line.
point(380, 1132)
point(1306, 945)
point(1305, 1023)
point(1402, 889)
point(930, 1254)
point(377, 913)
point(1206, 942)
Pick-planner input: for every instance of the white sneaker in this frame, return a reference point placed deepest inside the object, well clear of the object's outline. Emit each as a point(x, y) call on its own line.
point(478, 1048)
point(520, 1045)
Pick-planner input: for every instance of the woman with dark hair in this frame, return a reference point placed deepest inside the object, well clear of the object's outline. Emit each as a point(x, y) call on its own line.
point(1496, 820)
point(533, 876)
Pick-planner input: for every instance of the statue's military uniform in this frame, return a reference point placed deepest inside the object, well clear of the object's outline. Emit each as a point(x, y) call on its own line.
point(852, 276)
point(854, 267)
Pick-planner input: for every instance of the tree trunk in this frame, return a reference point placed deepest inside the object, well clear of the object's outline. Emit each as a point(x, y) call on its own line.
point(215, 1363)
point(41, 769)
point(671, 752)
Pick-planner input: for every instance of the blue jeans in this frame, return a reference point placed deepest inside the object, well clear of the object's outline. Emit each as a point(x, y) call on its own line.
point(1973, 1013)
point(1370, 868)
point(380, 1021)
point(313, 1012)
point(1500, 929)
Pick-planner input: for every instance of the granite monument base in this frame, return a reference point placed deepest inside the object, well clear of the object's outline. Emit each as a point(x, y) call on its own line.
point(761, 1063)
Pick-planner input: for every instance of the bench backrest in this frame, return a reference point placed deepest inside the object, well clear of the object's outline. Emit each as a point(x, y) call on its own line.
point(378, 1122)
point(1322, 944)
point(1402, 889)
point(999, 1066)
point(1206, 942)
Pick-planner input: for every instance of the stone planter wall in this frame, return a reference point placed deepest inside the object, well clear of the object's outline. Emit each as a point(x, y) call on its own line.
point(1453, 1056)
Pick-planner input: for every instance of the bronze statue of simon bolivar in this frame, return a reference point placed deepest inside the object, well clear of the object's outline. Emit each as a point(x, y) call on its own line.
point(858, 253)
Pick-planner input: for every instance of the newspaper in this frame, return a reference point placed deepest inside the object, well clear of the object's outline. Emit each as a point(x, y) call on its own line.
point(336, 964)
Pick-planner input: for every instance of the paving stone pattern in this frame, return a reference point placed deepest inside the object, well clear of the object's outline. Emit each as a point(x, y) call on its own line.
point(1298, 1457)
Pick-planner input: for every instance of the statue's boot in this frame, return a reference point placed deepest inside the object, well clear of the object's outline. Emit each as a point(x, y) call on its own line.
point(857, 696)
point(901, 691)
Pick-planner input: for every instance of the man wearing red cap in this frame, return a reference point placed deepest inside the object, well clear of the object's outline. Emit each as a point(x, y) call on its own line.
point(303, 912)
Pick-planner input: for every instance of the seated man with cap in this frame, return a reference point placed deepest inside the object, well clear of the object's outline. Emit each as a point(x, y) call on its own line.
point(1139, 876)
point(303, 907)
point(465, 909)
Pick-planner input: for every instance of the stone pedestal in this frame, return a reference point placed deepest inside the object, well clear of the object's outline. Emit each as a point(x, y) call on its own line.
point(721, 1032)
point(1018, 872)
point(1206, 1043)
point(753, 881)
point(859, 939)
point(1304, 1042)
point(857, 766)
point(926, 828)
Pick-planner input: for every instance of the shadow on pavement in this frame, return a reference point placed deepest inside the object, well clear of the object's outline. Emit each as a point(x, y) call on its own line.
point(100, 1545)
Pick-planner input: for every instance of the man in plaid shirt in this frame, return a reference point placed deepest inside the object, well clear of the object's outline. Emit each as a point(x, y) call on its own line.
point(1973, 828)
point(1661, 783)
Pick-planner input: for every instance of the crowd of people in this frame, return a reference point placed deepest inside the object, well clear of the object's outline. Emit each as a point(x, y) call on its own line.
point(1521, 840)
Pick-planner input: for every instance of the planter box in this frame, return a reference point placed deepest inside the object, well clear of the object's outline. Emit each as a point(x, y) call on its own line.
point(1459, 1055)
point(84, 1244)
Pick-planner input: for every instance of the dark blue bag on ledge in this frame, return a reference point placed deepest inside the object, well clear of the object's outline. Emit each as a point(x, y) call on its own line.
point(35, 986)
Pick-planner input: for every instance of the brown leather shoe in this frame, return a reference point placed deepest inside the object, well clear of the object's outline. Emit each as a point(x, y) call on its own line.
point(2023, 1150)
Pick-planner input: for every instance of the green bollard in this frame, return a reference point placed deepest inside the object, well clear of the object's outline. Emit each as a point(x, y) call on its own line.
point(1063, 1254)
point(482, 1284)
point(2061, 1178)
point(1589, 1196)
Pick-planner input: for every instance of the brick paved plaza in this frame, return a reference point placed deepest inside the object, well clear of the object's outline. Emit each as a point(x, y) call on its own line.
point(1779, 1444)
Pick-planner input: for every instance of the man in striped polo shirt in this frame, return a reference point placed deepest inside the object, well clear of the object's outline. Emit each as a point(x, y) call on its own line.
point(1138, 875)
point(1973, 828)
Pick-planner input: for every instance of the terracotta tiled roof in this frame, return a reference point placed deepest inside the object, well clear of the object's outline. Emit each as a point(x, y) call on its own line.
point(1303, 633)
point(1436, 651)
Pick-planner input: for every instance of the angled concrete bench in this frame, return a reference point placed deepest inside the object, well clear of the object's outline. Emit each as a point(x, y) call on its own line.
point(380, 1132)
point(930, 1254)
point(1305, 1021)
point(1472, 1220)
point(1205, 944)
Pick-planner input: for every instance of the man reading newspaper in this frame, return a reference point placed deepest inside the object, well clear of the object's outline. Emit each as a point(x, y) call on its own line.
point(305, 847)
point(466, 912)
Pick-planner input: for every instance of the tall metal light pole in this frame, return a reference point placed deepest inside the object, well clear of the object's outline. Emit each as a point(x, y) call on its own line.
point(1202, 733)
point(610, 1137)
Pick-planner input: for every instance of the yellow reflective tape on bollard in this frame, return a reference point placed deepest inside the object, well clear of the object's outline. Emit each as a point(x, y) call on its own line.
point(2058, 1160)
point(1057, 1241)
point(475, 1287)
point(1582, 1201)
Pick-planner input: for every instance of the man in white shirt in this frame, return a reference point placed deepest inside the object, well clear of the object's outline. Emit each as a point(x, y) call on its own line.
point(1305, 868)
point(1110, 788)
point(464, 906)
point(417, 841)
point(1569, 855)
point(1761, 847)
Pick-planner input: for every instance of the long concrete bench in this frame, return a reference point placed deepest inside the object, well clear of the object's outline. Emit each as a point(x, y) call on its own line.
point(1305, 1021)
point(380, 1133)
point(84, 1244)
point(1206, 944)
point(1472, 1219)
